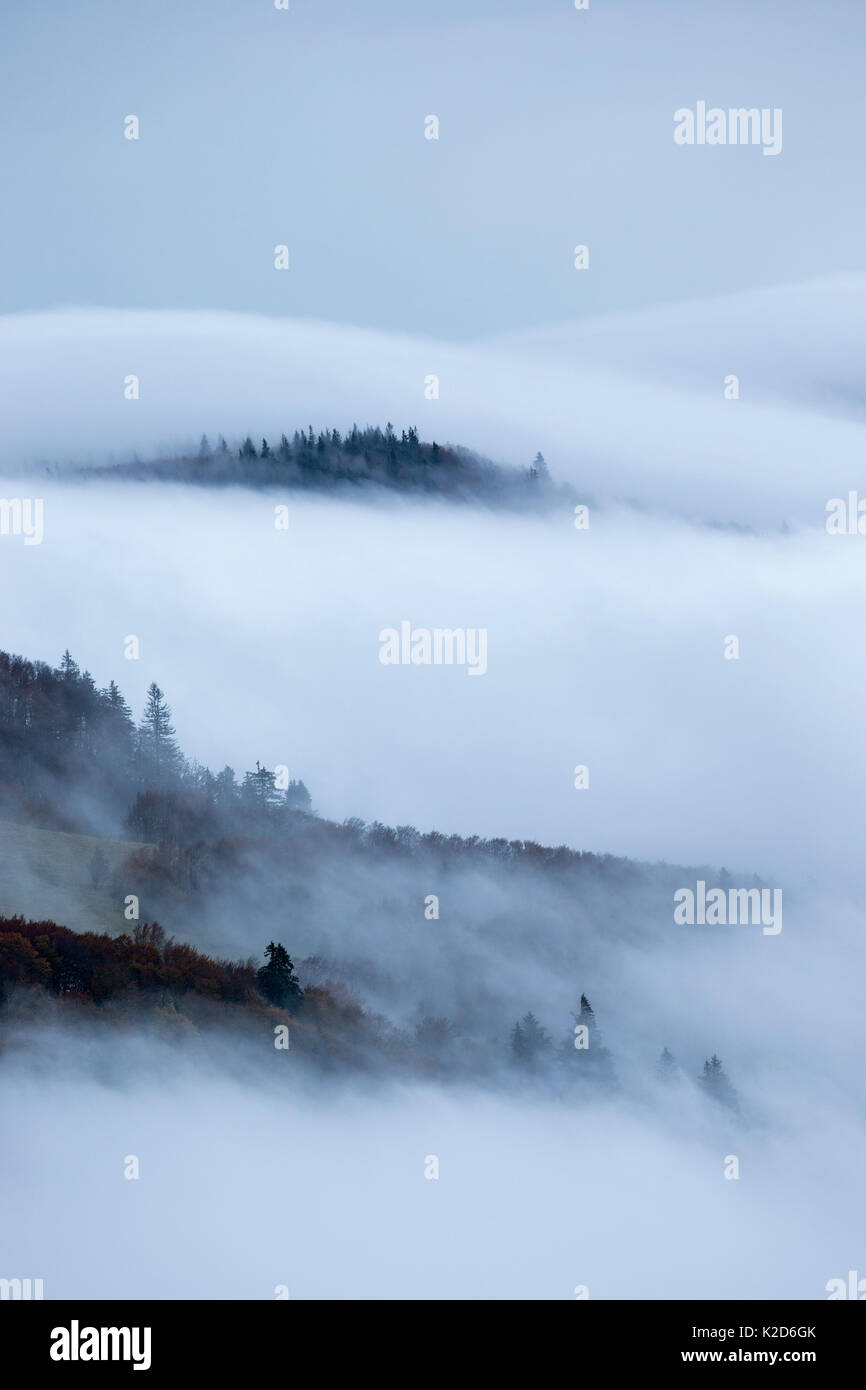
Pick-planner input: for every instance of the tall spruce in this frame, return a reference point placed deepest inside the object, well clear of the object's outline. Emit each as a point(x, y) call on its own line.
point(160, 760)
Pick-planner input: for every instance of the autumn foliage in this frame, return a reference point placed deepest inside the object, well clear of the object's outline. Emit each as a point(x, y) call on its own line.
point(98, 967)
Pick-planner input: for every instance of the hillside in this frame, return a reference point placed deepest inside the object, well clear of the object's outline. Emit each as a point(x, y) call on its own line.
point(45, 875)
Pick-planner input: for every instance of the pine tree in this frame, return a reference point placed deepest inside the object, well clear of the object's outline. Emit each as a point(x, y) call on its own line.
point(258, 787)
point(278, 981)
point(204, 449)
point(160, 756)
point(587, 1041)
point(69, 669)
point(114, 701)
point(116, 733)
point(585, 1047)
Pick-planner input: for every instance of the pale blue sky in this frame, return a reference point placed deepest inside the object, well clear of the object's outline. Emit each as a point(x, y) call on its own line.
point(306, 127)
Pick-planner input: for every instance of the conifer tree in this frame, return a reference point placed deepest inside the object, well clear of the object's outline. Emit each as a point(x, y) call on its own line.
point(585, 1047)
point(159, 754)
point(529, 1041)
point(277, 980)
point(716, 1083)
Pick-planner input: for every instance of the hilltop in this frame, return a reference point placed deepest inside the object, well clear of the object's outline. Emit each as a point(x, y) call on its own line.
point(369, 458)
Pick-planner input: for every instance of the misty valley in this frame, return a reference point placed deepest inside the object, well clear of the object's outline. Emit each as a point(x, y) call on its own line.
point(431, 737)
point(217, 966)
point(165, 867)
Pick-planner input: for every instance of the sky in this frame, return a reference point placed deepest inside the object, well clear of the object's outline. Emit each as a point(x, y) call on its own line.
point(305, 128)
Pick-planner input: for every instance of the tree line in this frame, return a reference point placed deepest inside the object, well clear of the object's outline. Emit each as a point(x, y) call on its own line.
point(97, 967)
point(71, 753)
point(328, 458)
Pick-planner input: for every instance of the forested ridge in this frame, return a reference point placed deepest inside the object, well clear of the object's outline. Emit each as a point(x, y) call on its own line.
point(73, 757)
point(369, 457)
point(146, 977)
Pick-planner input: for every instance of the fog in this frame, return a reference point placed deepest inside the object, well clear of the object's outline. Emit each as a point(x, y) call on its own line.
point(556, 128)
point(632, 412)
point(605, 648)
point(248, 1183)
point(799, 344)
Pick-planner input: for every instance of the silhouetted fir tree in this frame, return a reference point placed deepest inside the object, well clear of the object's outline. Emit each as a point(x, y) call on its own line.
point(266, 450)
point(277, 980)
point(160, 759)
point(258, 787)
point(247, 449)
point(204, 449)
point(115, 702)
point(584, 1051)
point(69, 669)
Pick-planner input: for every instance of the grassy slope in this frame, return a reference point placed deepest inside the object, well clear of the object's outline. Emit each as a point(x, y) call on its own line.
point(45, 874)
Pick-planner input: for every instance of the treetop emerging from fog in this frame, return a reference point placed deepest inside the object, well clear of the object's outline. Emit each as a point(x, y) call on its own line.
point(372, 456)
